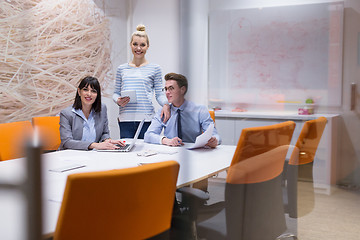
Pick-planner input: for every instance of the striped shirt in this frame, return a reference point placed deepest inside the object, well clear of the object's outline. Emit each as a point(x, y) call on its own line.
point(145, 80)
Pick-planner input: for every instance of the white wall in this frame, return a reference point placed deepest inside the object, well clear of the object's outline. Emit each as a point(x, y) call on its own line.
point(241, 4)
point(350, 127)
point(117, 13)
point(194, 48)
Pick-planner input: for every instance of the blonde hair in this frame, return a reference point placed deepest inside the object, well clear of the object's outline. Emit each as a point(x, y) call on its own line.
point(140, 32)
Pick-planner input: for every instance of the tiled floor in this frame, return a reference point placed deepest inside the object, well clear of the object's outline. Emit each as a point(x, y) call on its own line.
point(334, 216)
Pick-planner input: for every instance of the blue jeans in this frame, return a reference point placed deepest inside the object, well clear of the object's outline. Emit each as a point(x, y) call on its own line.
point(128, 129)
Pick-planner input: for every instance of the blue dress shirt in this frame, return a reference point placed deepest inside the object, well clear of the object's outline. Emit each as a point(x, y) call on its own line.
point(195, 119)
point(89, 133)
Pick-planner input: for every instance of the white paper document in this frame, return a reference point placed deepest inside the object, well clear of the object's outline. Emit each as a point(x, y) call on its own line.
point(131, 94)
point(203, 139)
point(67, 167)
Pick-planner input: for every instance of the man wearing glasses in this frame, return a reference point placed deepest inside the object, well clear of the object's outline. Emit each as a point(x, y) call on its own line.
point(188, 120)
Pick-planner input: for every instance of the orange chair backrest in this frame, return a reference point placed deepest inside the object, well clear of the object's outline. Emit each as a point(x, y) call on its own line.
point(212, 115)
point(133, 203)
point(260, 153)
point(13, 137)
point(49, 131)
point(308, 141)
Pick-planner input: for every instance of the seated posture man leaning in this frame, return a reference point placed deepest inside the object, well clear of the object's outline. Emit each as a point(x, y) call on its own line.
point(188, 120)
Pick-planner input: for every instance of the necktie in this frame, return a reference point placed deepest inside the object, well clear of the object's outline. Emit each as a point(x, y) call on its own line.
point(179, 124)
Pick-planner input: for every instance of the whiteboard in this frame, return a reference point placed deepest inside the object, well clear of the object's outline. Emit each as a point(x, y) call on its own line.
point(276, 54)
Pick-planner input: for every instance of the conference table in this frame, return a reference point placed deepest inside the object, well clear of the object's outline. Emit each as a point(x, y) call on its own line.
point(195, 165)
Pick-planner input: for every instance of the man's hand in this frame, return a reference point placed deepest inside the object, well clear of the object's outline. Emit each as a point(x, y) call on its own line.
point(213, 142)
point(122, 101)
point(172, 142)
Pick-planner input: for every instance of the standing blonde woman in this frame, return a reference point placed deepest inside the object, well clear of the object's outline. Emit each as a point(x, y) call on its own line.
point(144, 78)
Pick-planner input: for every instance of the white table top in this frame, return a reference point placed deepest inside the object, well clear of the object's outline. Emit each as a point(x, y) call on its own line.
point(195, 165)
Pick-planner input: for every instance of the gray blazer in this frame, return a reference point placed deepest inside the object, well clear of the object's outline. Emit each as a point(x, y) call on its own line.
point(71, 129)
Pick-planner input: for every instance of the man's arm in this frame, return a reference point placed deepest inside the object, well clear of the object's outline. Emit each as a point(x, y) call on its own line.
point(205, 121)
point(152, 135)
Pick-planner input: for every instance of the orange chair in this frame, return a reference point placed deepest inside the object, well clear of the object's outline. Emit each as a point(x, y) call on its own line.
point(133, 203)
point(212, 115)
point(49, 131)
point(13, 137)
point(253, 194)
point(301, 161)
point(257, 140)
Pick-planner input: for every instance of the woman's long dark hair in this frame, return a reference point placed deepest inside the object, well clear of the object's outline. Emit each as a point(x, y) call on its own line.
point(93, 83)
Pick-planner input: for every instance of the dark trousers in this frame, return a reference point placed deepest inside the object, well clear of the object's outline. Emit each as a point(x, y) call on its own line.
point(128, 129)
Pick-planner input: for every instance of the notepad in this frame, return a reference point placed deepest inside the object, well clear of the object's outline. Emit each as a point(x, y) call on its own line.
point(67, 167)
point(131, 94)
point(147, 153)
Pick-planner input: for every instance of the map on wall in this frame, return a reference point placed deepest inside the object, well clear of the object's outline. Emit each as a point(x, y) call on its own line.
point(276, 54)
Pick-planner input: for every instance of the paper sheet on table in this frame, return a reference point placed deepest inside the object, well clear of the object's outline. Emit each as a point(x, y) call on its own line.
point(203, 139)
point(67, 167)
point(131, 94)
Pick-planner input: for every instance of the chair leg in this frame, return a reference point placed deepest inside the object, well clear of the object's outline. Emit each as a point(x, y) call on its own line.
point(287, 236)
point(194, 235)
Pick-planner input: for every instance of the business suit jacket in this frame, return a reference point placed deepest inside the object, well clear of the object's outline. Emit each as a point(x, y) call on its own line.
point(71, 129)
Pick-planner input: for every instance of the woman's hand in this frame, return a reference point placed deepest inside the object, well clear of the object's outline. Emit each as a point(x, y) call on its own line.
point(122, 101)
point(116, 142)
point(172, 142)
point(165, 113)
point(213, 142)
point(108, 144)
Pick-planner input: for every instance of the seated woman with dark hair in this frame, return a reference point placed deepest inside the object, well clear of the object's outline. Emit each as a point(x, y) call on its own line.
point(84, 125)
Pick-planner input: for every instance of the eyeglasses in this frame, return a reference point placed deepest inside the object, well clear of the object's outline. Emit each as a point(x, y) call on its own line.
point(171, 88)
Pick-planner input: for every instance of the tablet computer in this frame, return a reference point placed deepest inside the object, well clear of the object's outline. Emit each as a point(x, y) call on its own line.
point(131, 94)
